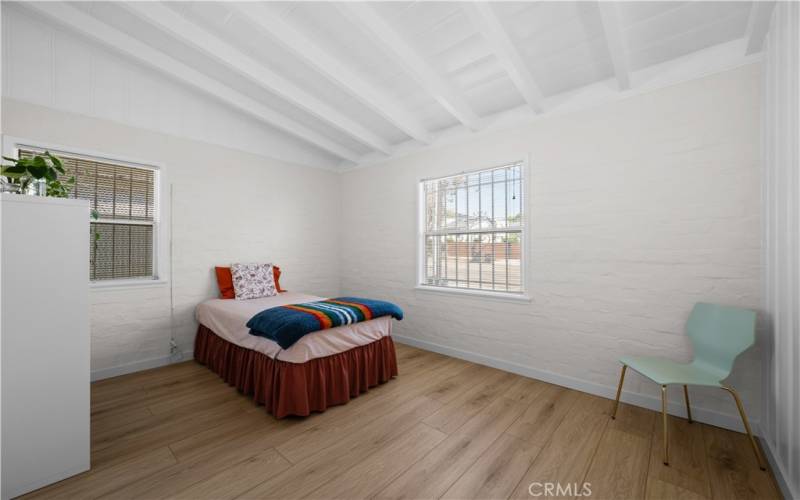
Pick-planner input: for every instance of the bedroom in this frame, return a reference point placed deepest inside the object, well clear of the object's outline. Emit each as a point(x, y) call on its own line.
point(565, 202)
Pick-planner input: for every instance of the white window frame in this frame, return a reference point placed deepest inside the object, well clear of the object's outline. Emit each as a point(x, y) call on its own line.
point(161, 261)
point(525, 242)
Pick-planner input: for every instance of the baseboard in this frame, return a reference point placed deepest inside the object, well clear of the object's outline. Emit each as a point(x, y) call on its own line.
point(779, 471)
point(700, 414)
point(20, 490)
point(137, 366)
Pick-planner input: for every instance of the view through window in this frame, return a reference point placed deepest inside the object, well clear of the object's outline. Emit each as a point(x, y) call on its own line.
point(473, 230)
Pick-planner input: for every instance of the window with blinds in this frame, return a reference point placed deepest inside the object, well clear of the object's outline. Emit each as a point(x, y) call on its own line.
point(123, 196)
point(473, 230)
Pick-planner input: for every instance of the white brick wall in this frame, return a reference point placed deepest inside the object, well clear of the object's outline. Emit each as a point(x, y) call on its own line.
point(639, 209)
point(228, 206)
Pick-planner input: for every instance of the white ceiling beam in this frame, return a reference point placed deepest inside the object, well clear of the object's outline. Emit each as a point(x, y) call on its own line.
point(312, 54)
point(387, 37)
point(758, 26)
point(183, 29)
point(485, 19)
point(609, 17)
point(709, 61)
point(87, 25)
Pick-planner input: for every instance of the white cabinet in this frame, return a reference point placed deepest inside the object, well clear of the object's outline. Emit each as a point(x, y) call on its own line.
point(44, 340)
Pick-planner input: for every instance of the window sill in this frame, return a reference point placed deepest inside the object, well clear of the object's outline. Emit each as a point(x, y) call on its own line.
point(126, 284)
point(481, 294)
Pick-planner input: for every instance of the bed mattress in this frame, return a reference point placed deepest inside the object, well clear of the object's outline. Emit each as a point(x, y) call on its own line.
point(228, 318)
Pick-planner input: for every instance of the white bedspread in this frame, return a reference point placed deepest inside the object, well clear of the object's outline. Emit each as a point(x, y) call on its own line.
point(227, 318)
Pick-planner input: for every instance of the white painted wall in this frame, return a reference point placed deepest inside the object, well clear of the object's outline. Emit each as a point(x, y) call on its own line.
point(780, 422)
point(638, 209)
point(228, 206)
point(51, 66)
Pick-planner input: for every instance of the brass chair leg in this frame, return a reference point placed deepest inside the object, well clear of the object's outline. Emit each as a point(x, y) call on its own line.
point(688, 407)
point(619, 391)
point(747, 427)
point(664, 418)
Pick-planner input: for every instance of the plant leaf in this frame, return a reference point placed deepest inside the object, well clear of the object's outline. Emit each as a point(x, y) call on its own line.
point(15, 169)
point(56, 162)
point(38, 171)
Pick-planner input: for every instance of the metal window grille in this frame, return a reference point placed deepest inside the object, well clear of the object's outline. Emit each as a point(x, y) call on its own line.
point(124, 198)
point(473, 230)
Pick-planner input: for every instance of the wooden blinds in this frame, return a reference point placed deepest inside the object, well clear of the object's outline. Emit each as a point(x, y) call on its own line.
point(124, 199)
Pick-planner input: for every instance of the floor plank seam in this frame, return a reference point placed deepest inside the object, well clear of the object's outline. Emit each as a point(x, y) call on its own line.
point(541, 448)
point(282, 455)
point(649, 459)
point(705, 460)
point(594, 452)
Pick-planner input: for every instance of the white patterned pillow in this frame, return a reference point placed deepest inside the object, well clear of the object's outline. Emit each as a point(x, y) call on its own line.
point(251, 281)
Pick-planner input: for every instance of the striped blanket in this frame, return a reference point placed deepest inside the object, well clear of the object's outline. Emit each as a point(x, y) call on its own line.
point(287, 324)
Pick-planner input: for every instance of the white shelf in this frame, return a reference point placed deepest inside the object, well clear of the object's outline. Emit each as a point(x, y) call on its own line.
point(44, 340)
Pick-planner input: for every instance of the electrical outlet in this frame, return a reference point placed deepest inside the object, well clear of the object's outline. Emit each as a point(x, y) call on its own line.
point(175, 355)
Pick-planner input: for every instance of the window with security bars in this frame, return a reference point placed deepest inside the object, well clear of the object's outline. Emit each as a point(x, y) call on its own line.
point(473, 230)
point(123, 198)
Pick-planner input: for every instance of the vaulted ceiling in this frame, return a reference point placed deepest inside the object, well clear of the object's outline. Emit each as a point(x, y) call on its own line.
point(369, 81)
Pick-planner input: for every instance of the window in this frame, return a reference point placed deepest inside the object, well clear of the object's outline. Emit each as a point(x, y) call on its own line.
point(123, 196)
point(473, 230)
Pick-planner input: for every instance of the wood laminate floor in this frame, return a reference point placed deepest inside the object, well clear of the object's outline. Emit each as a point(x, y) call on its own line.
point(445, 428)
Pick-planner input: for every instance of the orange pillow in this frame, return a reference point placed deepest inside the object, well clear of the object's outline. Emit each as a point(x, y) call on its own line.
point(276, 273)
point(225, 281)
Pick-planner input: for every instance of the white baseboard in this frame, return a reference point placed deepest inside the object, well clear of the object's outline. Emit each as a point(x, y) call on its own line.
point(705, 415)
point(779, 471)
point(138, 366)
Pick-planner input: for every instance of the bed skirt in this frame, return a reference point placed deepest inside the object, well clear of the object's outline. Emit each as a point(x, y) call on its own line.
point(297, 388)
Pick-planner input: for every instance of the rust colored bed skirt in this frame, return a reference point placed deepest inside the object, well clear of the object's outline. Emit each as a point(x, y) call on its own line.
point(292, 388)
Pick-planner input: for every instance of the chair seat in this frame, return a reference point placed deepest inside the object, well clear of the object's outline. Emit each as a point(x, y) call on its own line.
point(666, 372)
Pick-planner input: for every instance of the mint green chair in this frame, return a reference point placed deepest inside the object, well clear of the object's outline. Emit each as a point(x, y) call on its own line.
point(718, 334)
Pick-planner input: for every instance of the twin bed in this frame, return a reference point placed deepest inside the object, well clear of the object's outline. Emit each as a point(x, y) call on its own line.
point(322, 369)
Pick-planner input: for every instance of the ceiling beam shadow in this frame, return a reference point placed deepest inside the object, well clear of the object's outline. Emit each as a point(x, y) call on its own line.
point(615, 42)
point(386, 36)
point(758, 26)
point(186, 31)
point(311, 52)
point(485, 19)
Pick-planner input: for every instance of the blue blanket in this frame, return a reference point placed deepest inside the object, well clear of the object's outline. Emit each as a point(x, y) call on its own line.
point(288, 324)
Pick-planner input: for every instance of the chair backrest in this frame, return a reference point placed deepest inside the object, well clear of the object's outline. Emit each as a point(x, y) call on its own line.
point(719, 334)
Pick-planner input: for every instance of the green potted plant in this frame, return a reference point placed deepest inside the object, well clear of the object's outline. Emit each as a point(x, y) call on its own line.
point(38, 174)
